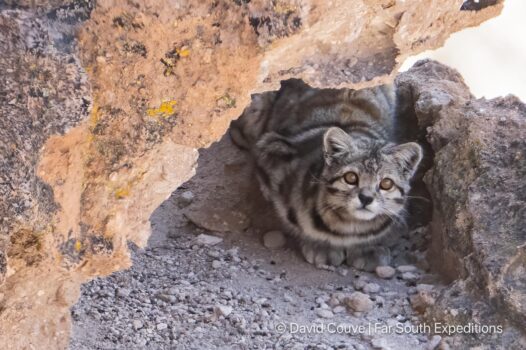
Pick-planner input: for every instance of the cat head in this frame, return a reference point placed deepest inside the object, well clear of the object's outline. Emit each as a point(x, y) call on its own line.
point(365, 179)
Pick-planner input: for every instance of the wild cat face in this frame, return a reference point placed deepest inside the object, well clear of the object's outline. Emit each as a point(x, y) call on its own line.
point(365, 179)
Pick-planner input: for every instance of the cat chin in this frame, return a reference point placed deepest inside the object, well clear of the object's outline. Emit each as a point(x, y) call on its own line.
point(363, 214)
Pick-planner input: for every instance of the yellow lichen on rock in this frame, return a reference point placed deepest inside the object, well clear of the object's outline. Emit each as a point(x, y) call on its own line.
point(165, 110)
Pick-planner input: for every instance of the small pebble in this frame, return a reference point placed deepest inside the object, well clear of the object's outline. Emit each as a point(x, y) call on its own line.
point(161, 326)
point(421, 301)
point(343, 271)
point(385, 272)
point(359, 302)
point(406, 268)
point(324, 313)
point(434, 342)
point(371, 288)
point(223, 310)
point(123, 292)
point(137, 324)
point(409, 276)
point(186, 198)
point(338, 309)
point(422, 287)
point(216, 264)
point(274, 240)
point(208, 239)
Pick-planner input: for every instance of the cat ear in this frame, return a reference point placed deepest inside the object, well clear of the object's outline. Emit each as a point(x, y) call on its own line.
point(406, 156)
point(336, 143)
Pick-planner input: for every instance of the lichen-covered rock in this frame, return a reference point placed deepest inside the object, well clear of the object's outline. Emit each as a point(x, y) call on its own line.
point(477, 185)
point(102, 109)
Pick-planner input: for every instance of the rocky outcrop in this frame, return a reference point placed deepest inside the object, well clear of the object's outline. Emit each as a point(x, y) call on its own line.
point(102, 109)
point(479, 196)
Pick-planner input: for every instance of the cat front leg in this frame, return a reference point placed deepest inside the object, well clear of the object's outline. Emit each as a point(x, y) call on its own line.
point(322, 256)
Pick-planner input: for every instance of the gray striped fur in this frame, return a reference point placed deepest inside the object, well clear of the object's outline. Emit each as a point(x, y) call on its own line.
point(304, 140)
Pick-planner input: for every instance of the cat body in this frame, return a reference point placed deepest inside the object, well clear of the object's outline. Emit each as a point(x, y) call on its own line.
point(326, 160)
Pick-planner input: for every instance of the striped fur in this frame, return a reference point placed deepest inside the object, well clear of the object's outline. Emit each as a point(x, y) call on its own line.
point(304, 140)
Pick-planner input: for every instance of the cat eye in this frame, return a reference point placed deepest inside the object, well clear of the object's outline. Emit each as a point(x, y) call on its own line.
point(351, 178)
point(386, 184)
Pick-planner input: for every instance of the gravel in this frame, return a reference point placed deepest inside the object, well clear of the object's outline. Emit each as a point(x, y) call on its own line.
point(191, 289)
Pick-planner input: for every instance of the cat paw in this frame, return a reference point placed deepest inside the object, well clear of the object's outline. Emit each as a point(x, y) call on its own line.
point(320, 256)
point(368, 259)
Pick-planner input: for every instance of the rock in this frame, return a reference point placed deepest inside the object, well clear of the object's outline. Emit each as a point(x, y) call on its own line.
point(343, 271)
point(434, 342)
point(123, 292)
point(386, 272)
point(137, 324)
point(421, 301)
point(359, 283)
point(406, 268)
point(324, 313)
point(338, 309)
point(167, 298)
point(409, 276)
point(274, 240)
point(223, 310)
point(371, 288)
point(359, 302)
point(186, 198)
point(477, 233)
point(422, 287)
point(205, 239)
point(161, 326)
point(216, 264)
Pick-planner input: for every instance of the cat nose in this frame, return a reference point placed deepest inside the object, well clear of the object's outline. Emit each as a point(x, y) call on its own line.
point(365, 199)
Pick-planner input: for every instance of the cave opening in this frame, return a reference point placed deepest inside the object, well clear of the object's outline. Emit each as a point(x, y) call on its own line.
point(207, 268)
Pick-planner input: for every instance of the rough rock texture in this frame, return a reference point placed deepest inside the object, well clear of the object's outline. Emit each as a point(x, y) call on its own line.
point(88, 153)
point(479, 194)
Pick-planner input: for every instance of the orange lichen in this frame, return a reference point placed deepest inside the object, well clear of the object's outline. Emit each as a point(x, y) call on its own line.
point(78, 246)
point(95, 115)
point(183, 52)
point(122, 192)
point(165, 110)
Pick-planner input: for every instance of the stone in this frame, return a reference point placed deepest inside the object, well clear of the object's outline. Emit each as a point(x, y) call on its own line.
point(434, 342)
point(167, 298)
point(338, 309)
point(477, 239)
point(161, 326)
point(223, 310)
point(406, 268)
point(216, 264)
point(186, 198)
point(421, 301)
point(205, 239)
point(371, 288)
point(123, 292)
point(409, 276)
point(324, 313)
point(274, 240)
point(385, 272)
point(137, 324)
point(422, 287)
point(359, 302)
